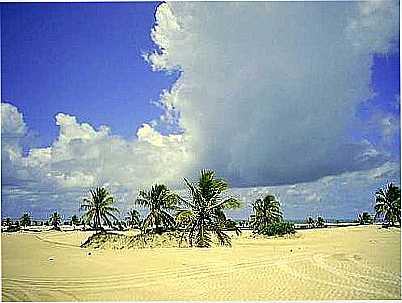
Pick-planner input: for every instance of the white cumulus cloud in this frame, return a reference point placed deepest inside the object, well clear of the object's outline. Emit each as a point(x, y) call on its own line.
point(82, 156)
point(268, 91)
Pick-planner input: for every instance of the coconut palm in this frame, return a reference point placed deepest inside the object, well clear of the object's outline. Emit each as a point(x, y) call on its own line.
point(267, 211)
point(320, 221)
point(160, 201)
point(8, 222)
point(388, 204)
point(75, 220)
point(25, 220)
point(133, 219)
point(99, 208)
point(55, 220)
point(364, 218)
point(310, 222)
point(203, 215)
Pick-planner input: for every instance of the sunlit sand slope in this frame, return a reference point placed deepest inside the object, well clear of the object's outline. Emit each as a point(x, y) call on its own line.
point(327, 264)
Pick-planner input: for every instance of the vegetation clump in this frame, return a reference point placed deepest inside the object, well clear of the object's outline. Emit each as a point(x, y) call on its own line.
point(120, 241)
point(388, 205)
point(74, 220)
point(267, 219)
point(278, 229)
point(197, 220)
point(310, 222)
point(364, 218)
point(320, 222)
point(55, 221)
point(171, 221)
point(25, 220)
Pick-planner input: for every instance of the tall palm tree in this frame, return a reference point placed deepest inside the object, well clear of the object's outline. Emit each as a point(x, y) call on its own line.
point(25, 220)
point(55, 220)
point(99, 208)
point(160, 201)
point(267, 211)
point(204, 214)
point(133, 219)
point(388, 204)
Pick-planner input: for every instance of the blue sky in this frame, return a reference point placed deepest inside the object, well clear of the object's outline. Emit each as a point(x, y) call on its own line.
point(385, 81)
point(82, 59)
point(304, 108)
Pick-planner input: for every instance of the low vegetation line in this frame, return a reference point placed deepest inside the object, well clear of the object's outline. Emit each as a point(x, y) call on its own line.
point(197, 220)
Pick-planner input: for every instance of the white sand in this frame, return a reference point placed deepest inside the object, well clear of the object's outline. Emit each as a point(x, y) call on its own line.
point(326, 264)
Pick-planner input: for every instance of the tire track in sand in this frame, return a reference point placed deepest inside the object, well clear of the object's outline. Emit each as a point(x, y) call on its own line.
point(305, 277)
point(337, 270)
point(139, 279)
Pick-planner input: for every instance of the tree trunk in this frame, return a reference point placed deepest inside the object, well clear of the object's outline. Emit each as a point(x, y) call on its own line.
point(158, 228)
point(98, 224)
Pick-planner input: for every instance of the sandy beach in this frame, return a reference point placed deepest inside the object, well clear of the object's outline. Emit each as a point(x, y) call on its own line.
point(360, 262)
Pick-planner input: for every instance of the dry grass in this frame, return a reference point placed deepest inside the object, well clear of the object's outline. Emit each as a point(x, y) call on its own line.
point(122, 241)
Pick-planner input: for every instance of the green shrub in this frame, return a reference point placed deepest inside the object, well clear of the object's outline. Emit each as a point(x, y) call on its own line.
point(364, 218)
point(278, 229)
point(13, 228)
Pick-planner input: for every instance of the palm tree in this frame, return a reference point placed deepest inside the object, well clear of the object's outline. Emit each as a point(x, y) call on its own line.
point(55, 220)
point(204, 214)
point(388, 204)
point(160, 201)
point(75, 220)
point(8, 222)
point(133, 219)
point(267, 211)
point(320, 221)
point(25, 220)
point(310, 222)
point(98, 208)
point(364, 218)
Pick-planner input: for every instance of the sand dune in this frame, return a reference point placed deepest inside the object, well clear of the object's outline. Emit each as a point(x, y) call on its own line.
point(328, 264)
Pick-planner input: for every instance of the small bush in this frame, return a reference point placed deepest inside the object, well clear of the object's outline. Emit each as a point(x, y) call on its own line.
point(278, 229)
point(365, 218)
point(320, 222)
point(13, 228)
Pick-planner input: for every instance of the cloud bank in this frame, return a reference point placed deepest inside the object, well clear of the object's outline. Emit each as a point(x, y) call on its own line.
point(267, 96)
point(269, 90)
point(83, 157)
point(340, 196)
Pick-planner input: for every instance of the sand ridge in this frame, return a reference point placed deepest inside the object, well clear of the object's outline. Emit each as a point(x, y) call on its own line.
point(342, 263)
